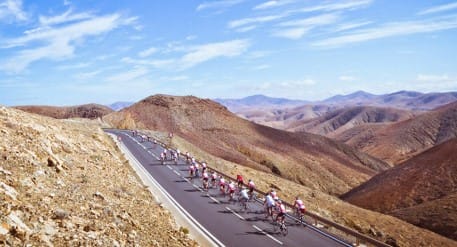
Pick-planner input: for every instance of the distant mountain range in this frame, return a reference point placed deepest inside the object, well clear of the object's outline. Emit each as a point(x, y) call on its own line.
point(403, 100)
point(259, 101)
point(117, 106)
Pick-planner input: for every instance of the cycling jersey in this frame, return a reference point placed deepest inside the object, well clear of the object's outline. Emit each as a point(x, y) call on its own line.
point(214, 176)
point(231, 187)
point(299, 204)
point(244, 194)
point(222, 181)
point(205, 176)
point(269, 200)
point(281, 209)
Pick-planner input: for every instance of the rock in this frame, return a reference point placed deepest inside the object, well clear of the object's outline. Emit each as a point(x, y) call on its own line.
point(60, 214)
point(6, 172)
point(51, 161)
point(99, 195)
point(4, 229)
point(8, 190)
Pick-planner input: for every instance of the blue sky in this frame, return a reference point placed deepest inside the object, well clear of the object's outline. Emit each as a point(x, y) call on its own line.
point(75, 52)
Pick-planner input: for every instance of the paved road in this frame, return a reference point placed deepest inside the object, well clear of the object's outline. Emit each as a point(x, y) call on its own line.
point(213, 211)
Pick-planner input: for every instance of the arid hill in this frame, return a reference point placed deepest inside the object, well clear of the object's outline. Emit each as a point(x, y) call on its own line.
point(65, 183)
point(400, 141)
point(340, 120)
point(90, 111)
point(423, 190)
point(283, 118)
point(308, 159)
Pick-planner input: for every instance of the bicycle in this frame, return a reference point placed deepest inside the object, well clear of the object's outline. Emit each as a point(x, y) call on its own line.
point(243, 204)
point(281, 226)
point(299, 215)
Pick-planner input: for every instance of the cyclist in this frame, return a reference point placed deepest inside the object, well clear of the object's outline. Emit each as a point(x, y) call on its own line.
point(269, 205)
point(231, 190)
point(281, 209)
point(244, 197)
point(197, 169)
point(299, 207)
point(213, 179)
point(222, 185)
point(239, 180)
point(203, 166)
point(251, 187)
point(191, 171)
point(178, 153)
point(205, 180)
point(162, 158)
point(274, 195)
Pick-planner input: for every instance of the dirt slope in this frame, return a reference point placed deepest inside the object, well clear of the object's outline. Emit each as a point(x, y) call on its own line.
point(400, 141)
point(64, 183)
point(91, 111)
point(307, 159)
point(425, 182)
point(340, 120)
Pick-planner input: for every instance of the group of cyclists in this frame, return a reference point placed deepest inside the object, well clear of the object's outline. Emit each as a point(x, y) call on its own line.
point(273, 205)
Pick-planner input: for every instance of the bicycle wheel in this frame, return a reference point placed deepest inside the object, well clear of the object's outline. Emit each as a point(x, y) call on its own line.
point(284, 230)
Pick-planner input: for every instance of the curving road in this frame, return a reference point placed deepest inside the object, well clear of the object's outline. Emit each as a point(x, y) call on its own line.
point(214, 212)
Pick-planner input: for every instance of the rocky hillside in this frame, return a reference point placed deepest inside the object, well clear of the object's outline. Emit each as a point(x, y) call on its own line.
point(63, 183)
point(400, 141)
point(308, 159)
point(90, 111)
point(340, 120)
point(423, 190)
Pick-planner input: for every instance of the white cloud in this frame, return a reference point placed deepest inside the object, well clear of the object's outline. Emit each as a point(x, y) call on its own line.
point(439, 8)
point(148, 52)
point(63, 18)
point(390, 30)
point(298, 28)
point(191, 37)
point(246, 29)
point(88, 75)
point(253, 20)
point(218, 4)
point(352, 25)
point(272, 4)
point(156, 63)
point(12, 8)
point(203, 53)
point(129, 75)
point(59, 43)
point(347, 5)
point(347, 78)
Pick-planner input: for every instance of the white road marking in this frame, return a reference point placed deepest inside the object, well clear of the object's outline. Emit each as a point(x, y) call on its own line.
point(268, 235)
point(169, 167)
point(214, 199)
point(239, 216)
point(177, 173)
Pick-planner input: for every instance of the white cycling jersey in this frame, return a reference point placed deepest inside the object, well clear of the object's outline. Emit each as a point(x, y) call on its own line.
point(270, 201)
point(244, 194)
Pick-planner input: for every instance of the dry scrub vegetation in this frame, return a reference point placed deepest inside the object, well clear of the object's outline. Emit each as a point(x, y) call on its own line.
point(65, 183)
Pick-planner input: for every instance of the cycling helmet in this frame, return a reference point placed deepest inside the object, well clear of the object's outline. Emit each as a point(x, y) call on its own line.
point(279, 201)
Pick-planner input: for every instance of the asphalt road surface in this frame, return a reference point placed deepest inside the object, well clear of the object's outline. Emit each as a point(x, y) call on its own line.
point(223, 219)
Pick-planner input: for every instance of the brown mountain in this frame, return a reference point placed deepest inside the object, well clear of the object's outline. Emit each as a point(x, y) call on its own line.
point(312, 160)
point(400, 141)
point(91, 111)
point(422, 190)
point(340, 120)
point(282, 118)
